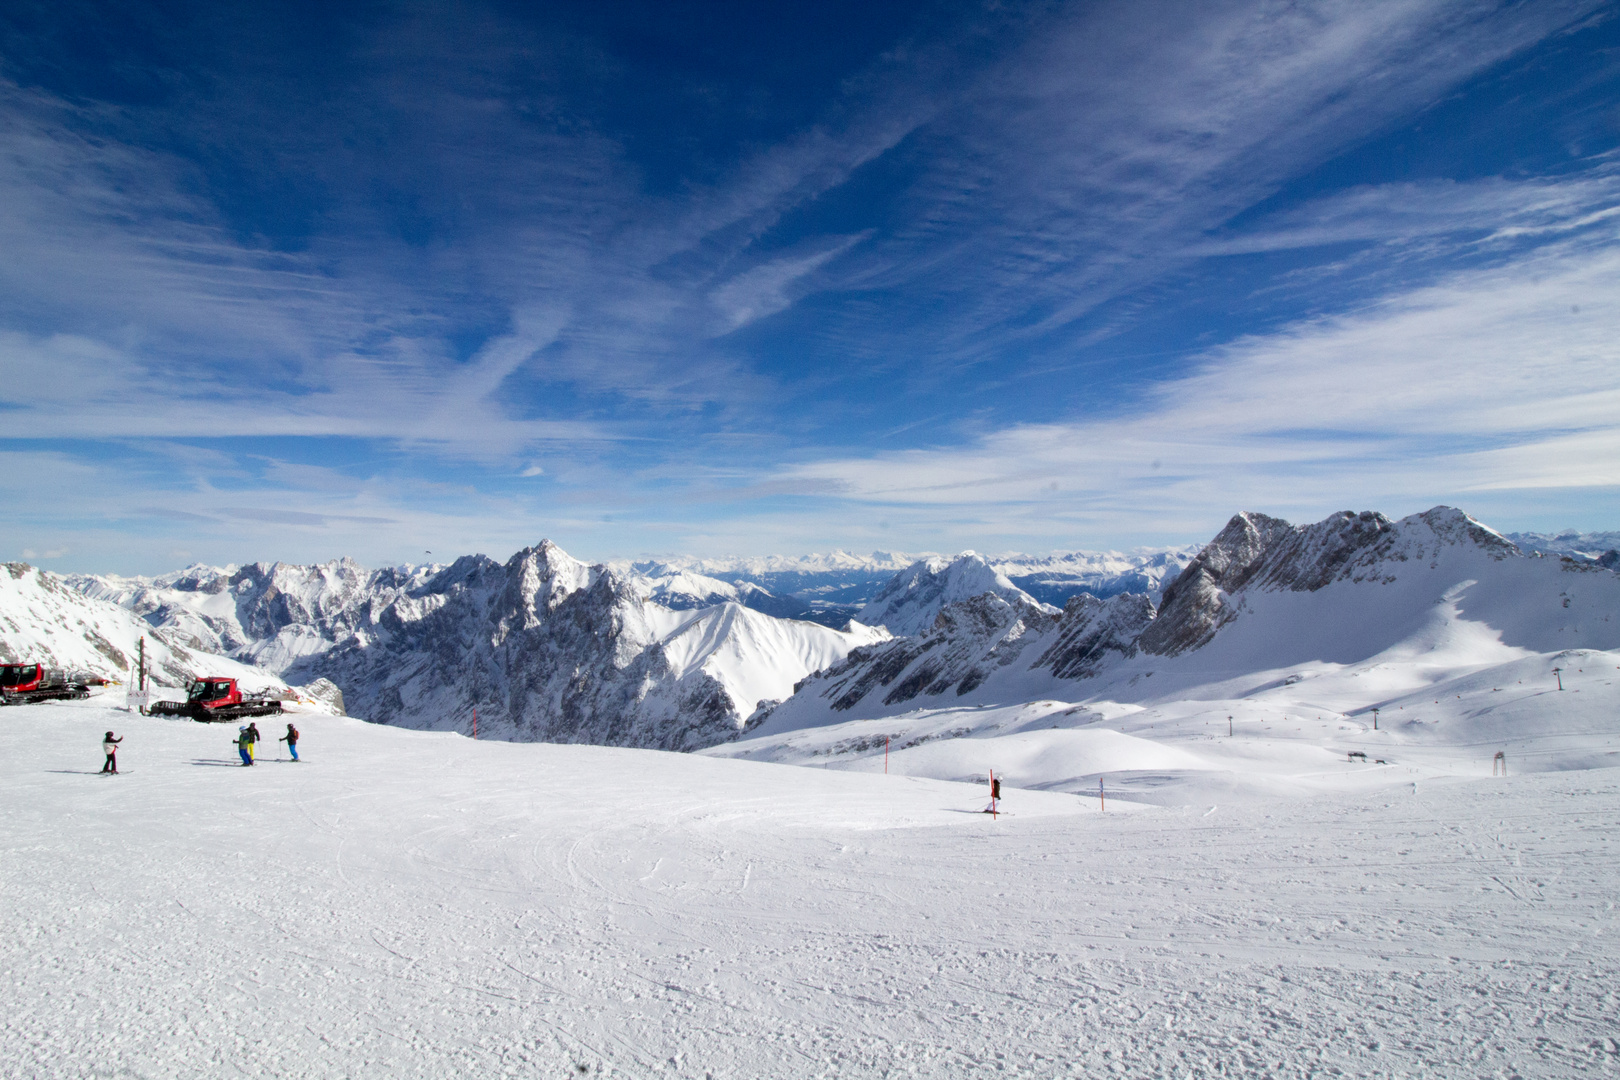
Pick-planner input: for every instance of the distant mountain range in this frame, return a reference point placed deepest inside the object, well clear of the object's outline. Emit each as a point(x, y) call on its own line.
point(836, 587)
point(683, 654)
point(1591, 545)
point(670, 654)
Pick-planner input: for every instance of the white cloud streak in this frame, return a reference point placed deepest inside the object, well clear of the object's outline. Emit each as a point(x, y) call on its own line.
point(1102, 155)
point(1490, 380)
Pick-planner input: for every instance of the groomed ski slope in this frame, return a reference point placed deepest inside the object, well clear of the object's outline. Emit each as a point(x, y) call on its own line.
point(416, 904)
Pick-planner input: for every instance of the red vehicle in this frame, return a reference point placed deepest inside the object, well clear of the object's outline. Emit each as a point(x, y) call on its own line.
point(212, 699)
point(23, 684)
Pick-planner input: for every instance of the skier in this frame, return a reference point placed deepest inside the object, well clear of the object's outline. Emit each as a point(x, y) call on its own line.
point(244, 745)
point(109, 746)
point(291, 739)
point(253, 739)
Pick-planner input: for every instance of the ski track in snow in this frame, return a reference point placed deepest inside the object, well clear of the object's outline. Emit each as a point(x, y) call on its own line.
point(415, 904)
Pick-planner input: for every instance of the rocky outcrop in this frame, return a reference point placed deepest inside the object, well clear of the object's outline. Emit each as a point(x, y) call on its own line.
point(1092, 632)
point(968, 640)
point(1256, 552)
point(324, 692)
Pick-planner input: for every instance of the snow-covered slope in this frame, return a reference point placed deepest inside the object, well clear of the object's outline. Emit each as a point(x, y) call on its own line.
point(912, 599)
point(684, 590)
point(1435, 592)
point(416, 904)
point(44, 619)
point(1308, 730)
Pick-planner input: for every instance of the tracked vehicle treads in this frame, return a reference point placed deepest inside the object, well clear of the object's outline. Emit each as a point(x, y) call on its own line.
point(23, 684)
point(215, 700)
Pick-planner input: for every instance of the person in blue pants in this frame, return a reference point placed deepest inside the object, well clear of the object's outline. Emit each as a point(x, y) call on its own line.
point(243, 742)
point(291, 739)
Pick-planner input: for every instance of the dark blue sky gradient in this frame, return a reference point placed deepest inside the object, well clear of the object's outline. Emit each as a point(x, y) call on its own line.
point(714, 277)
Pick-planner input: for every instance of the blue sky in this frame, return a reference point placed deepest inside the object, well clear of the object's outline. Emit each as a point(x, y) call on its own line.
point(291, 281)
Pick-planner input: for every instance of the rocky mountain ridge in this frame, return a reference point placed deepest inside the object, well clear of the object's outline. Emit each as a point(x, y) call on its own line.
point(912, 600)
point(1369, 580)
point(547, 648)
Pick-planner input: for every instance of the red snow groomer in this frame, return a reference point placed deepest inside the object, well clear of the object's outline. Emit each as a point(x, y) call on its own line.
point(24, 684)
point(215, 700)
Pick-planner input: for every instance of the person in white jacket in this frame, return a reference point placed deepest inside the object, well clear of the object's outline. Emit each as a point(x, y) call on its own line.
point(109, 746)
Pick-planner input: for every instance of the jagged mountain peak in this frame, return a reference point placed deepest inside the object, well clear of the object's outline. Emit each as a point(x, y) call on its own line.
point(546, 575)
point(1256, 551)
point(914, 598)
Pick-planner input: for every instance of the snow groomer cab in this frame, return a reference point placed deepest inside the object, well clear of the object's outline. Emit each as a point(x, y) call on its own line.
point(23, 684)
point(216, 700)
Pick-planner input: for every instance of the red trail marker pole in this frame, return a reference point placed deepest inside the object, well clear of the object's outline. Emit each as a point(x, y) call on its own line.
point(995, 792)
point(1102, 800)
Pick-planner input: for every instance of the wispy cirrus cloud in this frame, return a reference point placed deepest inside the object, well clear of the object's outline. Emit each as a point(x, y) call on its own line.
point(1489, 210)
point(1099, 156)
point(1489, 381)
point(436, 253)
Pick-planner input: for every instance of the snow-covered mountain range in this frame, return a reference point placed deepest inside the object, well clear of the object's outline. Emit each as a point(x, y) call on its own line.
point(1263, 596)
point(671, 654)
point(913, 598)
point(1586, 545)
point(548, 648)
point(835, 587)
point(544, 647)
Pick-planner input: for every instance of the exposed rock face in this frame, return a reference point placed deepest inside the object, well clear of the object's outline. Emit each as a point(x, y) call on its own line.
point(325, 692)
point(1610, 560)
point(969, 639)
point(547, 648)
point(1091, 632)
point(1256, 552)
